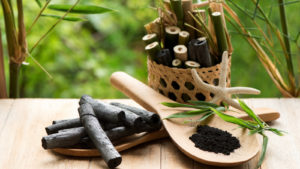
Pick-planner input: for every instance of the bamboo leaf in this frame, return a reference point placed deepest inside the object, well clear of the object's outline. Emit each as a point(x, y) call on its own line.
point(38, 2)
point(184, 114)
point(263, 151)
point(66, 18)
point(276, 131)
point(234, 120)
point(203, 103)
point(80, 9)
point(205, 116)
point(251, 113)
point(254, 131)
point(183, 105)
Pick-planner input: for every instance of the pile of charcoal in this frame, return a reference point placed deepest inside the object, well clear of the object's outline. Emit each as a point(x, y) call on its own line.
point(99, 124)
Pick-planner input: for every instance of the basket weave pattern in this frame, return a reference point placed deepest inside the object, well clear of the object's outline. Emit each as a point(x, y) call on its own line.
point(178, 84)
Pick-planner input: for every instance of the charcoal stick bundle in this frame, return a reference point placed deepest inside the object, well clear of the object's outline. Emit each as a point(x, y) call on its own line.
point(94, 129)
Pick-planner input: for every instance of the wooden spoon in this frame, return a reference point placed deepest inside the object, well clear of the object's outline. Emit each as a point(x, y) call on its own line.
point(180, 132)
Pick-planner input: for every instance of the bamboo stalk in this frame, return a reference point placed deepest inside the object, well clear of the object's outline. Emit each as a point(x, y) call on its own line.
point(3, 91)
point(13, 49)
point(220, 32)
point(14, 72)
point(177, 9)
point(288, 58)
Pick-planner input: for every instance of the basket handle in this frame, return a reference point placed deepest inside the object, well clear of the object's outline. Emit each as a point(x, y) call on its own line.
point(138, 91)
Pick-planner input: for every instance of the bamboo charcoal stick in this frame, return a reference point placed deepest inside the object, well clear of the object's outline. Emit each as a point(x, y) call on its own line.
point(104, 111)
point(191, 50)
point(149, 117)
point(199, 13)
point(132, 120)
point(220, 32)
point(180, 52)
point(59, 121)
point(177, 9)
point(164, 57)
point(184, 38)
point(63, 139)
point(95, 132)
point(177, 63)
point(152, 49)
point(73, 136)
point(63, 125)
point(105, 125)
point(187, 6)
point(201, 50)
point(191, 64)
point(149, 38)
point(171, 38)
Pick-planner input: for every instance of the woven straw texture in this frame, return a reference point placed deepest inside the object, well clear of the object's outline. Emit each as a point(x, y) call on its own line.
point(178, 84)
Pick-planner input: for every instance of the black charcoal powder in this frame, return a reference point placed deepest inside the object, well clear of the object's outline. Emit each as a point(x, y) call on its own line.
point(214, 140)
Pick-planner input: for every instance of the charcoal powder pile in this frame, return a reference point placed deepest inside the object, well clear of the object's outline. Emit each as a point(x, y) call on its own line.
point(214, 140)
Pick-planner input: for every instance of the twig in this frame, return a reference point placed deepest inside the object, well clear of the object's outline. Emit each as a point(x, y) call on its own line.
point(53, 26)
point(39, 15)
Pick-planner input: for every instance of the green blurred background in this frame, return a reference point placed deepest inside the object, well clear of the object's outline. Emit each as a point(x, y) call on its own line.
point(81, 56)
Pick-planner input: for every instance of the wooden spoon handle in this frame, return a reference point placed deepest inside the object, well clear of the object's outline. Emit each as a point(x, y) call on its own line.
point(138, 91)
point(151, 100)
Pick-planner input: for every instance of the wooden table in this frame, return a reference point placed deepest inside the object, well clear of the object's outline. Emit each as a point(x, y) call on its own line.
point(22, 123)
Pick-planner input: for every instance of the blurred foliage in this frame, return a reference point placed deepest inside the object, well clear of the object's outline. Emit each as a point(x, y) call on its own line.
point(81, 56)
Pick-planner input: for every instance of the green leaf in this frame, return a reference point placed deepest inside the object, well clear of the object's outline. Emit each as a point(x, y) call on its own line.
point(38, 2)
point(263, 151)
point(205, 116)
point(203, 103)
point(67, 18)
point(185, 114)
point(80, 9)
point(251, 113)
point(276, 131)
point(257, 130)
point(234, 120)
point(184, 105)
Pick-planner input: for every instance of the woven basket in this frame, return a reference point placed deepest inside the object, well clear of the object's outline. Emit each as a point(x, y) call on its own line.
point(178, 84)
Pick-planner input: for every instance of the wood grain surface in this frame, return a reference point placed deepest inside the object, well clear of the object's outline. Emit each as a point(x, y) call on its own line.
point(22, 123)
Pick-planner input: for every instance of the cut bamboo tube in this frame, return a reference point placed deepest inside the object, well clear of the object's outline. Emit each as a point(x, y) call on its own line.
point(177, 9)
point(187, 6)
point(220, 32)
point(152, 49)
point(171, 38)
point(184, 38)
point(149, 38)
point(177, 63)
point(191, 64)
point(180, 52)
